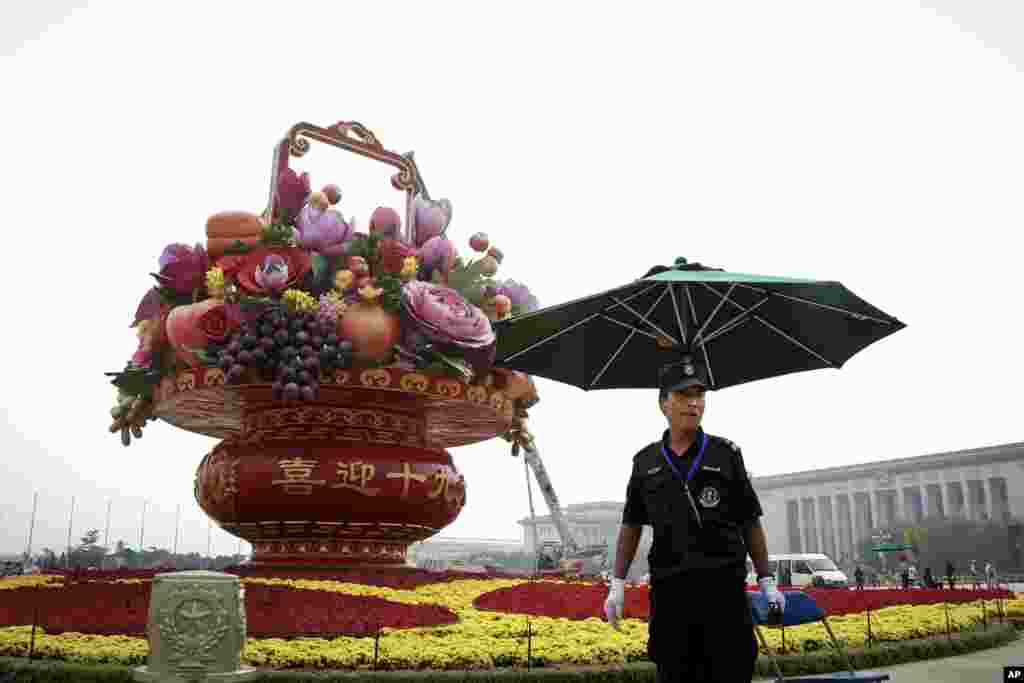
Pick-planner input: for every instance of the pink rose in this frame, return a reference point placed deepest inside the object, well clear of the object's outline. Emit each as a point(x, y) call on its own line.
point(444, 316)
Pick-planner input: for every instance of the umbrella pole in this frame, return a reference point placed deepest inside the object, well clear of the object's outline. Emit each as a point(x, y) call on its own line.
point(838, 646)
point(771, 655)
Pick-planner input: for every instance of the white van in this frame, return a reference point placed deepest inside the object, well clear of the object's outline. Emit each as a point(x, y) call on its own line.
point(801, 570)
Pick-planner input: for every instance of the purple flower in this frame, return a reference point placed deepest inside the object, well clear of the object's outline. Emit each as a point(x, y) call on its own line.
point(322, 230)
point(183, 268)
point(292, 191)
point(439, 252)
point(431, 220)
point(520, 296)
point(443, 316)
point(149, 307)
point(273, 274)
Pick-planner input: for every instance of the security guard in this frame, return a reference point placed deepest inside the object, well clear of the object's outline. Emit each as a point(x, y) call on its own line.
point(693, 489)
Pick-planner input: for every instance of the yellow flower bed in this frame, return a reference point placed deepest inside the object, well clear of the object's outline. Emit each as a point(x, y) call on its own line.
point(45, 581)
point(485, 639)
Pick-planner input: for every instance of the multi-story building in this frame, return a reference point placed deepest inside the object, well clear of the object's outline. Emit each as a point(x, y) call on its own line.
point(445, 549)
point(830, 510)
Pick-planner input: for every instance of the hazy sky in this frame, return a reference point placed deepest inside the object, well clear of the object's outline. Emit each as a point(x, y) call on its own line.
point(874, 143)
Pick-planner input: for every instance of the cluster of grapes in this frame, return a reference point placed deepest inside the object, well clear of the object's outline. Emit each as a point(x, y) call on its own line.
point(295, 347)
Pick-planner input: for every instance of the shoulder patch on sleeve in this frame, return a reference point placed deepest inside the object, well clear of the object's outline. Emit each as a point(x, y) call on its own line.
point(730, 444)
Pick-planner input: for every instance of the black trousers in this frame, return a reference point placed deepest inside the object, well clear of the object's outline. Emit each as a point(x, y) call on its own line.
point(701, 630)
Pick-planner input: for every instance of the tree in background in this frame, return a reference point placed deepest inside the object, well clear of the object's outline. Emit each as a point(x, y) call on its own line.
point(88, 553)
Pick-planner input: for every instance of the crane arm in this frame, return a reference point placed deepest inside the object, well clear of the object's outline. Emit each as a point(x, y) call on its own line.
point(532, 457)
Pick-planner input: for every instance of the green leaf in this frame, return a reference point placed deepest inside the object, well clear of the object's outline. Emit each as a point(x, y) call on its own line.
point(320, 266)
point(171, 298)
point(237, 247)
point(206, 357)
point(136, 381)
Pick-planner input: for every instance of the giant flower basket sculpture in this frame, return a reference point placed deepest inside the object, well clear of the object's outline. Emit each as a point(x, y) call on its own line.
point(335, 366)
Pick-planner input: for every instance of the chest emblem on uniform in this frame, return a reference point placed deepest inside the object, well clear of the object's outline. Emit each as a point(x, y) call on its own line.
point(709, 497)
point(709, 468)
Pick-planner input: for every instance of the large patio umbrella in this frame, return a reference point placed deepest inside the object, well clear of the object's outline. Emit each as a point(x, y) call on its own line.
point(744, 327)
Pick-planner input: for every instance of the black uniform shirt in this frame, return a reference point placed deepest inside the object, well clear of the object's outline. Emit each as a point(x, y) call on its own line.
point(721, 491)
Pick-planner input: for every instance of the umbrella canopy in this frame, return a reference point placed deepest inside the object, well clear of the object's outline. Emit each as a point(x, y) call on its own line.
point(744, 327)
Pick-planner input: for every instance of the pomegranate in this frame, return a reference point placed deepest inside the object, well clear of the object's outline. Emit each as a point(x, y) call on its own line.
point(371, 329)
point(183, 331)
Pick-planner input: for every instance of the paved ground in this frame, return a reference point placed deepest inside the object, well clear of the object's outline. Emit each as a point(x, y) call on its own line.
point(984, 667)
point(978, 667)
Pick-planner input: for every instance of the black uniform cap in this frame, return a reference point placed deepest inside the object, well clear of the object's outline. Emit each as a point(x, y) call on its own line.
point(685, 373)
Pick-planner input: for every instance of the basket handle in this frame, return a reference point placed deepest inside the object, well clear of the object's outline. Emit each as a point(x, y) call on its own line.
point(356, 138)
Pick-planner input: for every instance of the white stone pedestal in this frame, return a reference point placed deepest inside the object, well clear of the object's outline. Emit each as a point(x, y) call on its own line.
point(196, 629)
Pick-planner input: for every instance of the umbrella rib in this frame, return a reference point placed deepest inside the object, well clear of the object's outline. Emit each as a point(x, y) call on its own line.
point(792, 339)
point(726, 328)
point(836, 309)
point(576, 324)
point(630, 327)
point(707, 363)
point(721, 302)
point(625, 341)
point(644, 317)
point(679, 319)
point(744, 314)
point(703, 348)
point(689, 300)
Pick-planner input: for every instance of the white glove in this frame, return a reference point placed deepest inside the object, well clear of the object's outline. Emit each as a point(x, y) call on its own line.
point(615, 602)
point(770, 590)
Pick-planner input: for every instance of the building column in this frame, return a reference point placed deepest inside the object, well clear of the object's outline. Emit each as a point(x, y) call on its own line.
point(837, 526)
point(899, 509)
point(873, 506)
point(819, 521)
point(925, 512)
point(799, 526)
point(855, 528)
point(805, 526)
point(944, 494)
point(1010, 509)
point(987, 492)
point(966, 491)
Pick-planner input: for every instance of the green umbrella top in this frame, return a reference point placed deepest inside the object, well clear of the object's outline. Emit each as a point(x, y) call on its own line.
point(744, 327)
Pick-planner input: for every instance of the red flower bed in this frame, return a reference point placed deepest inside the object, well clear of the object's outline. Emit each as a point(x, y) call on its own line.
point(558, 599)
point(271, 611)
point(583, 601)
point(838, 602)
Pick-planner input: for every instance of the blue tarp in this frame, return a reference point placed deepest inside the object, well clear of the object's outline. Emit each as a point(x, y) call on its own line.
point(800, 609)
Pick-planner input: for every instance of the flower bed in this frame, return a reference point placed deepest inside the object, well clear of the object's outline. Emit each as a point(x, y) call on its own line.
point(839, 602)
point(585, 600)
point(477, 636)
point(121, 608)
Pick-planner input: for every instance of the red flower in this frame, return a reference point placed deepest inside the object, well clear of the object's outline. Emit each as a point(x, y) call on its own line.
point(243, 267)
point(218, 323)
point(393, 254)
point(231, 264)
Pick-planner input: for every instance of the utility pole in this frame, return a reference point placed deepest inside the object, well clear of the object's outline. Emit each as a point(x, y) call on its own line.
point(142, 525)
point(106, 532)
point(71, 516)
point(209, 543)
point(31, 527)
point(177, 525)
